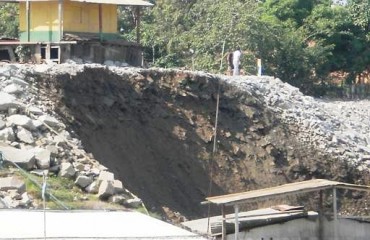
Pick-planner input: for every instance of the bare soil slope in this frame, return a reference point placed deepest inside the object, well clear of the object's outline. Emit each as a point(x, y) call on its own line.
point(154, 130)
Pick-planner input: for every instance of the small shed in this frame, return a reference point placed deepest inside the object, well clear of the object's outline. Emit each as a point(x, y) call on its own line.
point(315, 185)
point(58, 30)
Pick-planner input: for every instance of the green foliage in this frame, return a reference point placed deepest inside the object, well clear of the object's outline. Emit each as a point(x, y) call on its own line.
point(9, 20)
point(63, 189)
point(299, 41)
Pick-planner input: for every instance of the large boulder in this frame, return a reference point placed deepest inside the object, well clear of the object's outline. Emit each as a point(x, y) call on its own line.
point(106, 176)
point(67, 170)
point(23, 158)
point(106, 190)
point(20, 120)
point(118, 187)
point(13, 89)
point(83, 181)
point(8, 101)
point(12, 183)
point(42, 157)
point(34, 110)
point(93, 188)
point(24, 135)
point(7, 134)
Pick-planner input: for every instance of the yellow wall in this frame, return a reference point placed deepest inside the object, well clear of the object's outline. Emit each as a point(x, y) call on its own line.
point(78, 17)
point(84, 17)
point(43, 16)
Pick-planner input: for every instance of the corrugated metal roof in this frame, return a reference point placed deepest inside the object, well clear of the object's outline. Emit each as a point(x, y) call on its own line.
point(286, 189)
point(117, 2)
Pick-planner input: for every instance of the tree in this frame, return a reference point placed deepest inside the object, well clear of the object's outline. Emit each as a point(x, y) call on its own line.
point(335, 28)
point(165, 32)
point(291, 13)
point(9, 20)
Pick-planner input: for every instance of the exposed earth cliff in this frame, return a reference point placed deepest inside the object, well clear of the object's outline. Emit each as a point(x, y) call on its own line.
point(153, 128)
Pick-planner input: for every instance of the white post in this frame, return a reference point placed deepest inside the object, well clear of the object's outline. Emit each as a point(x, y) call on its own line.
point(335, 213)
point(44, 200)
point(236, 209)
point(259, 67)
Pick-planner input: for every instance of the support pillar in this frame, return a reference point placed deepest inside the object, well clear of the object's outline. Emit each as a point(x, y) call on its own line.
point(335, 214)
point(236, 209)
point(28, 25)
point(223, 222)
point(100, 22)
point(321, 215)
point(138, 20)
point(60, 19)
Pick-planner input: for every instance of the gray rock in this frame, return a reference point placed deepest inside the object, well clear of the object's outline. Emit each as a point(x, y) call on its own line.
point(12, 111)
point(2, 124)
point(118, 199)
point(42, 157)
point(5, 71)
point(118, 187)
point(38, 124)
point(133, 203)
point(51, 122)
point(3, 204)
point(7, 134)
point(20, 120)
point(8, 101)
point(24, 158)
point(53, 150)
point(106, 176)
point(106, 189)
point(83, 181)
point(93, 188)
point(25, 201)
point(67, 170)
point(24, 135)
point(34, 110)
point(13, 89)
point(19, 81)
point(12, 183)
point(79, 166)
point(14, 194)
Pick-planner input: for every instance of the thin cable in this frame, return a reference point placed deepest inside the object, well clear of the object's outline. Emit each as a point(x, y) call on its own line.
point(214, 150)
point(56, 200)
point(212, 155)
point(44, 200)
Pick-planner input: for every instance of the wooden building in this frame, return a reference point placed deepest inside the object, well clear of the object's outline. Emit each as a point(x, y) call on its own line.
point(58, 30)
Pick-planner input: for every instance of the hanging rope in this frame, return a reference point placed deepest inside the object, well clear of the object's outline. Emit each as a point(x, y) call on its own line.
point(57, 201)
point(214, 149)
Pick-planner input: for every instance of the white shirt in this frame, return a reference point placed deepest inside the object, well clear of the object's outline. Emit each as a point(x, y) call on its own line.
point(236, 57)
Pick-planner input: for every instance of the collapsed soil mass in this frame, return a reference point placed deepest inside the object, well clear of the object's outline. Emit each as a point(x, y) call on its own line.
point(154, 130)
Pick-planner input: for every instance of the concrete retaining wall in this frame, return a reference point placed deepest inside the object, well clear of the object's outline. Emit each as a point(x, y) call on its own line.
point(306, 229)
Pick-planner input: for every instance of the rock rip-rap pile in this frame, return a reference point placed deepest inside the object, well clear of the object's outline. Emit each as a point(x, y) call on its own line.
point(33, 139)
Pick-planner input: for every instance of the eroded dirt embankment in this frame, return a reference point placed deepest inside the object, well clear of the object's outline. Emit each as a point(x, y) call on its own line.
point(153, 129)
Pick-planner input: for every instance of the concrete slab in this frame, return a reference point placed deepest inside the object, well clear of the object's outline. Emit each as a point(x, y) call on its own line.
point(29, 224)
